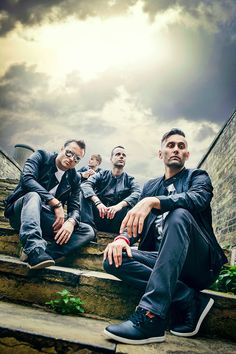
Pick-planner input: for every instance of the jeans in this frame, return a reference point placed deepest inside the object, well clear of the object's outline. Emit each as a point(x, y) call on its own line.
point(34, 223)
point(174, 273)
point(90, 215)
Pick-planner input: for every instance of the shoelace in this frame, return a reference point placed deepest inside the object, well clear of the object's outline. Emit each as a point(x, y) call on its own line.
point(138, 317)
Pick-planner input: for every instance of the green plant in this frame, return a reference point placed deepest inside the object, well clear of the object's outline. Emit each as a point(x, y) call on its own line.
point(226, 281)
point(66, 303)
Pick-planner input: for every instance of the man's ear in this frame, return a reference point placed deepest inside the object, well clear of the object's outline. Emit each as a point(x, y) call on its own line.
point(187, 155)
point(160, 154)
point(62, 148)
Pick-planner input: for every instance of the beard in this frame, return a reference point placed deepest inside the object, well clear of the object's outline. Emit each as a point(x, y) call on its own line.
point(176, 165)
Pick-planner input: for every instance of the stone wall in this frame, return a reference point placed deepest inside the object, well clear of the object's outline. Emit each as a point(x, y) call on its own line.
point(9, 167)
point(220, 163)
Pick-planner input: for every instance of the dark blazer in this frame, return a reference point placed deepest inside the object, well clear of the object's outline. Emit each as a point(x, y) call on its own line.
point(194, 192)
point(38, 176)
point(126, 188)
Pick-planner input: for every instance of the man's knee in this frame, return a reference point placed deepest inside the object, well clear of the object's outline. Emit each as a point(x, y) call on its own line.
point(32, 196)
point(86, 230)
point(179, 215)
point(109, 268)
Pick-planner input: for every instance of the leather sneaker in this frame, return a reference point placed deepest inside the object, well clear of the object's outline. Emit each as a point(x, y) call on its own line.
point(193, 316)
point(38, 259)
point(142, 327)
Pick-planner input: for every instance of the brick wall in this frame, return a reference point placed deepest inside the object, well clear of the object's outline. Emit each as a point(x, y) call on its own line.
point(220, 163)
point(9, 168)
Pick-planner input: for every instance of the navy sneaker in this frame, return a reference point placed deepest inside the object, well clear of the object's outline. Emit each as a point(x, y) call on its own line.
point(140, 328)
point(193, 316)
point(38, 259)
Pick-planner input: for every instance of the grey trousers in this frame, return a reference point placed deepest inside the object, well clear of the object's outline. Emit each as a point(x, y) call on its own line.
point(34, 224)
point(176, 272)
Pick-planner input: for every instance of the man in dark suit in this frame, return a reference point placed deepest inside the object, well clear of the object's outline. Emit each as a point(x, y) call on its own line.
point(178, 253)
point(109, 194)
point(36, 207)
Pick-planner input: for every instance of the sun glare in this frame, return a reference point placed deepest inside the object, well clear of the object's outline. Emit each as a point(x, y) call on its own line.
point(93, 45)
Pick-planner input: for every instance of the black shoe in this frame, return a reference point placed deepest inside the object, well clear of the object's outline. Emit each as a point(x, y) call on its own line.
point(193, 317)
point(38, 259)
point(138, 329)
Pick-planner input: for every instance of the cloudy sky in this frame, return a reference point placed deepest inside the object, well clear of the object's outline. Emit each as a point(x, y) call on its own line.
point(116, 72)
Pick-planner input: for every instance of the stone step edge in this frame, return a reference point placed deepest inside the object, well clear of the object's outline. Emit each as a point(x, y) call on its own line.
point(86, 332)
point(21, 268)
point(30, 338)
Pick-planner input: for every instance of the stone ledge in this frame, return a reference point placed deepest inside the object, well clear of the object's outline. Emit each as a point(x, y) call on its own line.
point(27, 330)
point(52, 328)
point(89, 257)
point(103, 294)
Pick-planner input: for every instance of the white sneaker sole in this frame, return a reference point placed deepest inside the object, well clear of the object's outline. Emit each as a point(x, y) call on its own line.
point(201, 318)
point(44, 264)
point(133, 341)
point(23, 256)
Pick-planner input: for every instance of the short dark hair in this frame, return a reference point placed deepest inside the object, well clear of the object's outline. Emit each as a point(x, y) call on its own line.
point(98, 157)
point(116, 147)
point(80, 143)
point(173, 131)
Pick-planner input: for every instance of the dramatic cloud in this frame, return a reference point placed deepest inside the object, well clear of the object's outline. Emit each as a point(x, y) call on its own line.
point(116, 72)
point(29, 12)
point(44, 118)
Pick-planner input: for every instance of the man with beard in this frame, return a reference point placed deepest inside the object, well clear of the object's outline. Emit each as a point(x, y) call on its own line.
point(109, 194)
point(178, 253)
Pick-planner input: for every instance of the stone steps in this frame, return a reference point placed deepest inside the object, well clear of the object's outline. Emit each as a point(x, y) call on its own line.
point(104, 295)
point(32, 330)
point(90, 257)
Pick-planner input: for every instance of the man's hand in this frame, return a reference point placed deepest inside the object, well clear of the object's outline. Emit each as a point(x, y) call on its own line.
point(64, 233)
point(87, 174)
point(59, 218)
point(113, 251)
point(102, 210)
point(134, 219)
point(112, 210)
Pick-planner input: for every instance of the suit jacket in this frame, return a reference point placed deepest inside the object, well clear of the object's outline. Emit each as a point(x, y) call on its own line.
point(38, 176)
point(194, 192)
point(98, 184)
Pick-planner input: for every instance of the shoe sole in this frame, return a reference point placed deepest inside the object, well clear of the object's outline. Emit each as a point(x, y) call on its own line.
point(133, 341)
point(201, 318)
point(44, 264)
point(23, 256)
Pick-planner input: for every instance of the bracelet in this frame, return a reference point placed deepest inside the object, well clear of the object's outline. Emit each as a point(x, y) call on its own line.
point(97, 202)
point(58, 205)
point(120, 237)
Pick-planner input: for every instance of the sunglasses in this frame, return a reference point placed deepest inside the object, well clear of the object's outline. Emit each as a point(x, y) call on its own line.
point(70, 153)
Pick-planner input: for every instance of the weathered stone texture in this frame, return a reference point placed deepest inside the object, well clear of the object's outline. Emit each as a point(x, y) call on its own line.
point(220, 163)
point(9, 168)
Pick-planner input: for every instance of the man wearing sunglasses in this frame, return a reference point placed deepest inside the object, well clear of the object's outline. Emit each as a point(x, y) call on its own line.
point(36, 207)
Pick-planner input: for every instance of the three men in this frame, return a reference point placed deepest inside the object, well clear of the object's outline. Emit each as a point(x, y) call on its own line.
point(35, 208)
point(178, 253)
point(109, 194)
